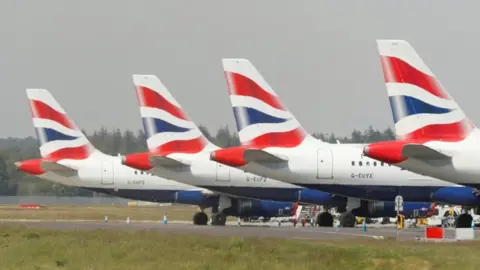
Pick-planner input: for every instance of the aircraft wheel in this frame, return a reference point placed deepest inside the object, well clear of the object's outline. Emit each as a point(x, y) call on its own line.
point(200, 218)
point(347, 220)
point(219, 219)
point(325, 219)
point(385, 220)
point(464, 221)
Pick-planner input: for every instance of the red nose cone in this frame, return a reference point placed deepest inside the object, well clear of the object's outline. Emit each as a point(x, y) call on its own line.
point(232, 156)
point(389, 152)
point(32, 166)
point(138, 161)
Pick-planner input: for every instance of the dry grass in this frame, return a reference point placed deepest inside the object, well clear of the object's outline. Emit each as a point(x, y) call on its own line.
point(22, 248)
point(98, 212)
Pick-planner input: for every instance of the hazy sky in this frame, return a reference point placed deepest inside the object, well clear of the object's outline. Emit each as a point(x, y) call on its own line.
point(319, 56)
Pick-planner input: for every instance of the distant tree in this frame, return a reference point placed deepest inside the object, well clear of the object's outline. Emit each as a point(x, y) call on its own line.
point(372, 135)
point(206, 133)
point(222, 138)
point(356, 136)
point(140, 142)
point(5, 184)
point(130, 142)
point(234, 139)
point(319, 136)
point(388, 135)
point(118, 143)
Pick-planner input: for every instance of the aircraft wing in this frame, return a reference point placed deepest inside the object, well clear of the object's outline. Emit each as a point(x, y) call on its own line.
point(422, 152)
point(259, 155)
point(167, 161)
point(58, 168)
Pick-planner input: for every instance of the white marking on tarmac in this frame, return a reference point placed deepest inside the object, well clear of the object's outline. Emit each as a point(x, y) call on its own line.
point(94, 220)
point(346, 234)
point(378, 237)
point(352, 234)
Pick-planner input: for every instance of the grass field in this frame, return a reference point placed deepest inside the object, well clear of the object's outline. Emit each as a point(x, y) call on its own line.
point(22, 248)
point(98, 212)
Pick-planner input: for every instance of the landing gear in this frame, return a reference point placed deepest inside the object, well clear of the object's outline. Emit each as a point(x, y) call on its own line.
point(219, 219)
point(463, 221)
point(200, 218)
point(385, 220)
point(347, 219)
point(325, 219)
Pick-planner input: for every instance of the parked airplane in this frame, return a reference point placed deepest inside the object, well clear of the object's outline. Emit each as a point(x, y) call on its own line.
point(67, 157)
point(178, 150)
point(275, 145)
point(434, 136)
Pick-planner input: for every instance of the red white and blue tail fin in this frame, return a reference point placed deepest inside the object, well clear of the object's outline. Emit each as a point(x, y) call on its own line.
point(58, 136)
point(261, 118)
point(167, 127)
point(421, 107)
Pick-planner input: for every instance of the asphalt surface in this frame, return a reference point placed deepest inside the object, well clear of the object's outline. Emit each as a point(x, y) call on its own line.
point(286, 231)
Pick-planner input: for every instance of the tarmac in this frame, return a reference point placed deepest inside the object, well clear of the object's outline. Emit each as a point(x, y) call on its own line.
point(269, 230)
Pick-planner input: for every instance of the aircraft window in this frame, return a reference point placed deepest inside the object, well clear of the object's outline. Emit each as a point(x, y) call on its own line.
point(374, 163)
point(368, 163)
point(141, 172)
point(381, 163)
point(136, 172)
point(353, 163)
point(360, 163)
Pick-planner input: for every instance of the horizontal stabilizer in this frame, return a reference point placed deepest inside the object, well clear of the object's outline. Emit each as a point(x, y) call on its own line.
point(421, 151)
point(258, 155)
point(167, 162)
point(49, 166)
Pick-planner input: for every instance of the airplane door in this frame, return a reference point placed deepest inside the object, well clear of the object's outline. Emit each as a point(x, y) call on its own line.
point(107, 172)
point(324, 164)
point(223, 173)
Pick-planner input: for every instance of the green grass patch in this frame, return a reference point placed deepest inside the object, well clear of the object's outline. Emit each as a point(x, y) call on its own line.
point(26, 248)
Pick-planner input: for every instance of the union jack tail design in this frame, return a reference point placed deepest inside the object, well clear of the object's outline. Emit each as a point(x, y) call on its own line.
point(421, 107)
point(167, 127)
point(261, 118)
point(57, 134)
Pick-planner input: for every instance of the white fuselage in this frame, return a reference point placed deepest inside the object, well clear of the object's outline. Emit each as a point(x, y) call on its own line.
point(343, 169)
point(208, 174)
point(463, 167)
point(105, 172)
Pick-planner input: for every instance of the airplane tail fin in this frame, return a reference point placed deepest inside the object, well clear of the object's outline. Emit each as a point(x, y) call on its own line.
point(421, 107)
point(167, 127)
point(57, 134)
point(262, 120)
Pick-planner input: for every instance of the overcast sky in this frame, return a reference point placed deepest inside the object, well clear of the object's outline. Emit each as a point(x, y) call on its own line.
point(319, 56)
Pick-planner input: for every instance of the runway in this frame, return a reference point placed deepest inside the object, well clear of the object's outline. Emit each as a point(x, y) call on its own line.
point(286, 231)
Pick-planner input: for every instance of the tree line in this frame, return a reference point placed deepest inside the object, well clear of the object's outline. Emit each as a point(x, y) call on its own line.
point(114, 142)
